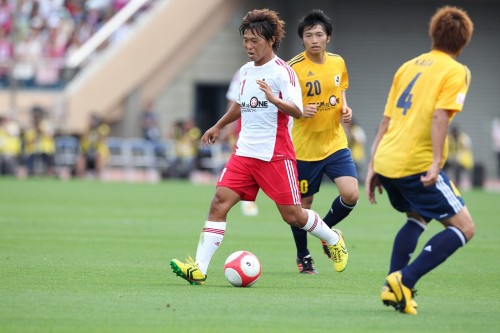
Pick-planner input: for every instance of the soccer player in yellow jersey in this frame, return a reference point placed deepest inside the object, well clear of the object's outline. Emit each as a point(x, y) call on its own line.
point(410, 149)
point(318, 136)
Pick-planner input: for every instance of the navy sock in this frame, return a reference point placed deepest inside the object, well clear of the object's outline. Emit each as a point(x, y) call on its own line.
point(300, 237)
point(405, 243)
point(435, 252)
point(338, 212)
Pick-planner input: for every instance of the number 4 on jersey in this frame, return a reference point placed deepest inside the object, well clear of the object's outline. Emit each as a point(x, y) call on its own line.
point(404, 101)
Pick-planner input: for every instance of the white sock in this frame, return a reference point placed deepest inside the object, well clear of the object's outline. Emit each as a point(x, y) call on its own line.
point(316, 227)
point(210, 240)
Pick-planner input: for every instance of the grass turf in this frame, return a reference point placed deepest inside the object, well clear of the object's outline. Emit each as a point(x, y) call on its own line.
point(84, 256)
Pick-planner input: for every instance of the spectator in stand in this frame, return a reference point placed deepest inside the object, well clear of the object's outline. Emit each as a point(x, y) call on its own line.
point(39, 145)
point(6, 16)
point(94, 151)
point(150, 126)
point(48, 70)
point(29, 53)
point(60, 27)
point(6, 53)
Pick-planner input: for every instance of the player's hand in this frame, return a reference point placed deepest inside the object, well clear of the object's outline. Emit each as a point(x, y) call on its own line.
point(210, 136)
point(263, 86)
point(430, 178)
point(372, 181)
point(310, 110)
point(346, 114)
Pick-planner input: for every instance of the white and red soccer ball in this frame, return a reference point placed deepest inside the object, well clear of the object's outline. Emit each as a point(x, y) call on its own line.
point(242, 269)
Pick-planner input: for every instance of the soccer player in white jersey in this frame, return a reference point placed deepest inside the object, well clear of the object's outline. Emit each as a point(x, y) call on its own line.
point(264, 156)
point(248, 208)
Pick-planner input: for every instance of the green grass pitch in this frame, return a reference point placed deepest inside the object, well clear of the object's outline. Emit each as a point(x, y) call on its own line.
point(85, 256)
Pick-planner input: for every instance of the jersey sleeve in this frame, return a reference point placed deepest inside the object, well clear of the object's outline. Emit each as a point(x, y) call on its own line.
point(345, 77)
point(452, 95)
point(233, 92)
point(290, 87)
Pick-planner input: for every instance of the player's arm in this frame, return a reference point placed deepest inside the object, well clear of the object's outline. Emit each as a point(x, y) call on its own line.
point(287, 107)
point(439, 130)
point(372, 180)
point(346, 110)
point(232, 114)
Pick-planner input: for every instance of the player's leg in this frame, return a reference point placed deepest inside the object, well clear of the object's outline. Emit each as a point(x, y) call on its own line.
point(235, 183)
point(310, 175)
point(443, 202)
point(278, 179)
point(310, 221)
point(195, 271)
point(305, 262)
point(459, 230)
point(340, 168)
point(405, 242)
point(345, 202)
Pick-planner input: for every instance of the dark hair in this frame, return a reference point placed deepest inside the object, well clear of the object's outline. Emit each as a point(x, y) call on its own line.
point(450, 30)
point(266, 24)
point(314, 18)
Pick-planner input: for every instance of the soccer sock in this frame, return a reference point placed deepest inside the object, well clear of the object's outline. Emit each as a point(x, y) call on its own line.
point(210, 240)
point(300, 237)
point(435, 252)
point(338, 212)
point(316, 227)
point(405, 243)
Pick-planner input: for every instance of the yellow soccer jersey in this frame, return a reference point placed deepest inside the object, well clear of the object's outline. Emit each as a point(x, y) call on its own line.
point(322, 84)
point(432, 81)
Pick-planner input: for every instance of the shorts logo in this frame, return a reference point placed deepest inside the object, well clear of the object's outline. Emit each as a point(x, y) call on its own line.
point(333, 100)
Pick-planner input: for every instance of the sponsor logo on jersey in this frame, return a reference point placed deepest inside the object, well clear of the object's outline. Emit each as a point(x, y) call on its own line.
point(333, 100)
point(336, 80)
point(254, 103)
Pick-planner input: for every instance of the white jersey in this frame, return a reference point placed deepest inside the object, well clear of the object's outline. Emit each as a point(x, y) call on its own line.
point(265, 130)
point(234, 87)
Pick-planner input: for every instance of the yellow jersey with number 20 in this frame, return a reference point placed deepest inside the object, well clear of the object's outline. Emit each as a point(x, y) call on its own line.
point(431, 81)
point(318, 137)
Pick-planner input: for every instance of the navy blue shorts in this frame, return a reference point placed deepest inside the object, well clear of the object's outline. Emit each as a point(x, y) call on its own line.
point(336, 165)
point(439, 201)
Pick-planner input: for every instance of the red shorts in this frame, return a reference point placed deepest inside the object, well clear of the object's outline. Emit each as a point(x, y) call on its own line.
point(278, 179)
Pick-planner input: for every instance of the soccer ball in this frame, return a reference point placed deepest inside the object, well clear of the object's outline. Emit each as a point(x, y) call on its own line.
point(242, 269)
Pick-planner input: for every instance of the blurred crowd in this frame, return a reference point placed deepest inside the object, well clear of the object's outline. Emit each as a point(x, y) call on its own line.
point(41, 34)
point(38, 150)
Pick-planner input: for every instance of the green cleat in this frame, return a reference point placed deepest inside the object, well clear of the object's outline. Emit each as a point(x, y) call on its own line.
point(403, 293)
point(189, 271)
point(338, 253)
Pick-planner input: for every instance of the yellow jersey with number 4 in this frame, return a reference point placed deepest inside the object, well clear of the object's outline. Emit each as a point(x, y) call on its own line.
point(316, 138)
point(431, 81)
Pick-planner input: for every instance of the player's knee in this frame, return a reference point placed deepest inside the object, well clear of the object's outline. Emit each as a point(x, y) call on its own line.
point(351, 197)
point(292, 219)
point(469, 230)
